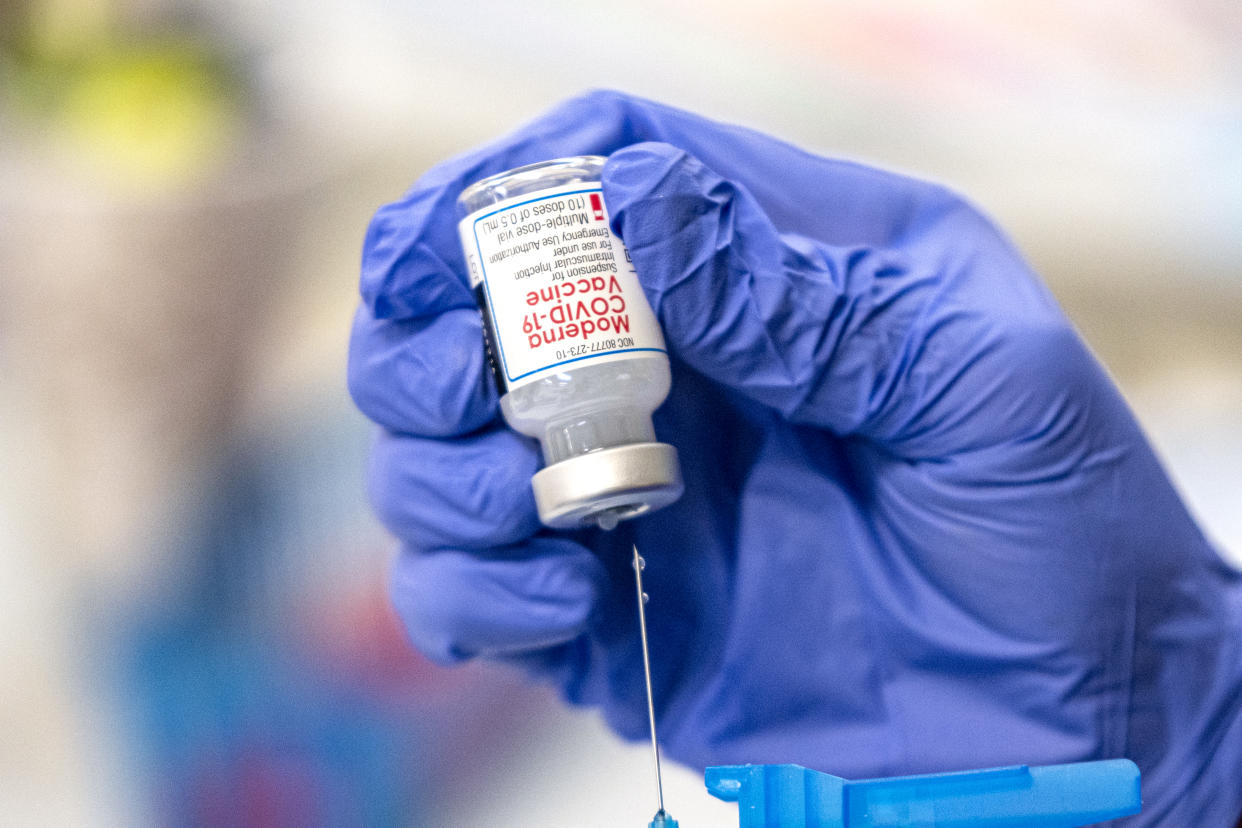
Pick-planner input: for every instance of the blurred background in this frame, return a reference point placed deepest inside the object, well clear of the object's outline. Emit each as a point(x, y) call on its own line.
point(194, 628)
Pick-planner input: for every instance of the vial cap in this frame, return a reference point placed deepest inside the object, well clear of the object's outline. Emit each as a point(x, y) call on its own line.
point(607, 486)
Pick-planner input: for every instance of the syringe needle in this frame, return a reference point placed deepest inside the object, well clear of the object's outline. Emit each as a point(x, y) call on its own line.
point(661, 816)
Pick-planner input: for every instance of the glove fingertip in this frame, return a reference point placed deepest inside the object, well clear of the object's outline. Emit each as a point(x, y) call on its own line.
point(421, 376)
point(737, 301)
point(677, 220)
point(643, 175)
point(659, 197)
point(406, 272)
point(420, 615)
point(456, 605)
point(471, 492)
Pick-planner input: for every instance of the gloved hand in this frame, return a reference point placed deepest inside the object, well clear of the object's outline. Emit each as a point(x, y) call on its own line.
point(921, 530)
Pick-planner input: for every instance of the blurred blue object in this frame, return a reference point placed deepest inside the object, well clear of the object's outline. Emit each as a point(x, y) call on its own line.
point(1055, 796)
point(244, 714)
point(270, 683)
point(921, 528)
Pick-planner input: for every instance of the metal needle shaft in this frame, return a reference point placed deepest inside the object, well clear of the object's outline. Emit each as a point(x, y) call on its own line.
point(642, 626)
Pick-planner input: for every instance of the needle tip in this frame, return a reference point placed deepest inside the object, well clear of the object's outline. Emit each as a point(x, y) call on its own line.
point(662, 819)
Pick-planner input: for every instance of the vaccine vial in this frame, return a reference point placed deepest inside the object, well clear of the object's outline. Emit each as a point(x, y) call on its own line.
point(573, 345)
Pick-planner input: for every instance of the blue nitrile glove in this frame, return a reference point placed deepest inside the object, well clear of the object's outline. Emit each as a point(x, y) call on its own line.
point(921, 529)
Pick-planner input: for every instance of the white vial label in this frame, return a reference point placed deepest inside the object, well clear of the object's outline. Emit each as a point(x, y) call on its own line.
point(555, 284)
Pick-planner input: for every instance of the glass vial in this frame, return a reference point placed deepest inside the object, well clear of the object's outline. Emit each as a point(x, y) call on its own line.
point(573, 345)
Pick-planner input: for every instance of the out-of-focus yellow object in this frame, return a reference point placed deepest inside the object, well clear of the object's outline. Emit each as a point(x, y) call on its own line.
point(135, 107)
point(155, 117)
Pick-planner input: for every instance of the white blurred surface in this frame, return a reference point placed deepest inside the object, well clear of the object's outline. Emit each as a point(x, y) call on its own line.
point(578, 773)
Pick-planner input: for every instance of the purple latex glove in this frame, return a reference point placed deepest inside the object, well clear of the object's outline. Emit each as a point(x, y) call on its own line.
point(921, 529)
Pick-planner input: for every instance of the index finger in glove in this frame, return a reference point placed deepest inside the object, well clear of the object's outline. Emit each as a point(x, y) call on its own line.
point(931, 345)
